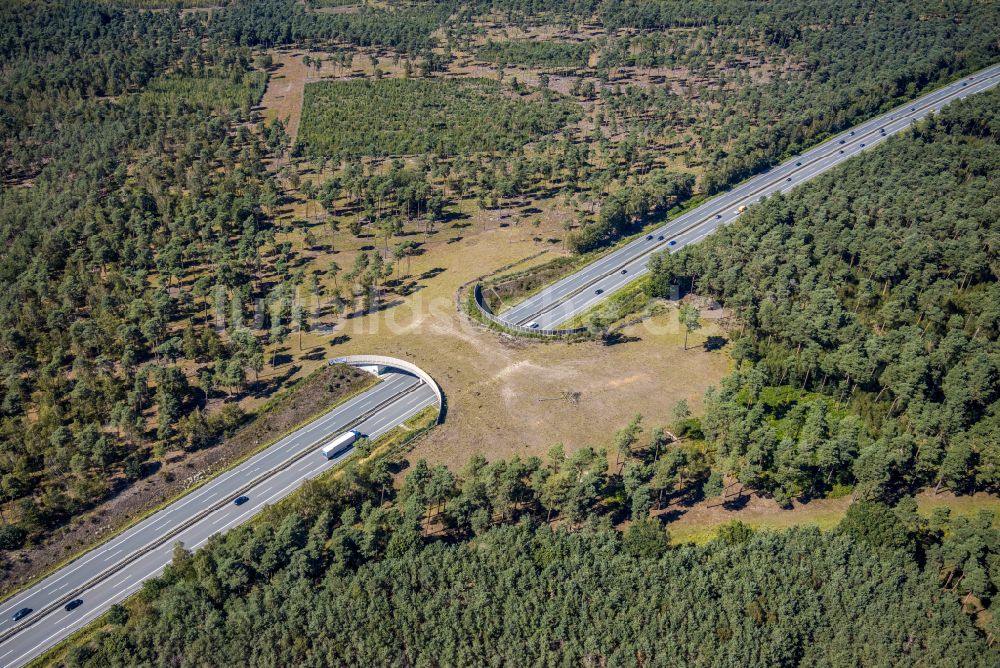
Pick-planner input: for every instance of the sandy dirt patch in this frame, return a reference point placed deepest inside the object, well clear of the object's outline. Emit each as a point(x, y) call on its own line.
point(505, 396)
point(700, 522)
point(508, 396)
point(285, 90)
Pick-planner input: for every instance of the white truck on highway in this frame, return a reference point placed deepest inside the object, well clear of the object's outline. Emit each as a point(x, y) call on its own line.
point(339, 444)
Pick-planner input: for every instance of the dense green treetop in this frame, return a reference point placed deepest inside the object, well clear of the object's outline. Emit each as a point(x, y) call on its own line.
point(877, 286)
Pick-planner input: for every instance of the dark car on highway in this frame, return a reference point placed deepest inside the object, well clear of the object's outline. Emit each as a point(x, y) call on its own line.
point(74, 604)
point(598, 291)
point(624, 271)
point(240, 500)
point(649, 237)
point(21, 614)
point(659, 238)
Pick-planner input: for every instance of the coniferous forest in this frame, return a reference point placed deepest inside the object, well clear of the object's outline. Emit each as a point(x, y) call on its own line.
point(335, 578)
point(466, 570)
point(869, 304)
point(151, 272)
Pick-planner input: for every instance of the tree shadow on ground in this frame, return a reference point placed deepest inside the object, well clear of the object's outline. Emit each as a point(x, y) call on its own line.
point(715, 343)
point(383, 306)
point(316, 353)
point(671, 515)
point(616, 338)
point(398, 466)
point(265, 388)
point(431, 273)
point(739, 503)
point(452, 216)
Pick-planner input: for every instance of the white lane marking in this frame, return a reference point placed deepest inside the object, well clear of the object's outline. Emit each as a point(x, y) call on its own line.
point(420, 404)
point(139, 582)
point(942, 103)
point(82, 621)
point(816, 156)
point(325, 464)
point(350, 405)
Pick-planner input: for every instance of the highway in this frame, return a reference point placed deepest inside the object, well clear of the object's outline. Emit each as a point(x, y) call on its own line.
point(113, 571)
point(582, 290)
point(116, 569)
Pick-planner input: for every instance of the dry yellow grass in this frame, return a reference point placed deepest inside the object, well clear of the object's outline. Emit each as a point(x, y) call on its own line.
point(505, 396)
point(285, 90)
point(508, 396)
point(700, 523)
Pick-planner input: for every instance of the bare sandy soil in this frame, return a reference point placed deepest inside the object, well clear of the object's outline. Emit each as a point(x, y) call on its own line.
point(182, 471)
point(508, 396)
point(285, 90)
point(505, 396)
point(700, 522)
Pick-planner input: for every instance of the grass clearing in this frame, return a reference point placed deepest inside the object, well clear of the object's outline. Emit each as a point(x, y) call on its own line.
point(285, 89)
point(700, 523)
point(505, 396)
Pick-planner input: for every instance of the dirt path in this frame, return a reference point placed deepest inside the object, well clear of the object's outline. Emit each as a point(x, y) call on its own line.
point(289, 76)
point(508, 396)
point(505, 396)
point(286, 90)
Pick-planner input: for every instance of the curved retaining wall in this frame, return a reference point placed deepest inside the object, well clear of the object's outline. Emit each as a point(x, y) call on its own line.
point(487, 312)
point(382, 360)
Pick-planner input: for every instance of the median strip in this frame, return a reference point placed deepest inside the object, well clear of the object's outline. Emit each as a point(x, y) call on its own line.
point(133, 556)
point(716, 209)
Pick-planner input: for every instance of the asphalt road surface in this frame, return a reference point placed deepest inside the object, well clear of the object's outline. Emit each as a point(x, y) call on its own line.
point(113, 571)
point(582, 290)
point(110, 573)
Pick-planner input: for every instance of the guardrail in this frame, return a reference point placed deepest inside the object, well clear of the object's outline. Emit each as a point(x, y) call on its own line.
point(382, 360)
point(487, 312)
point(143, 550)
